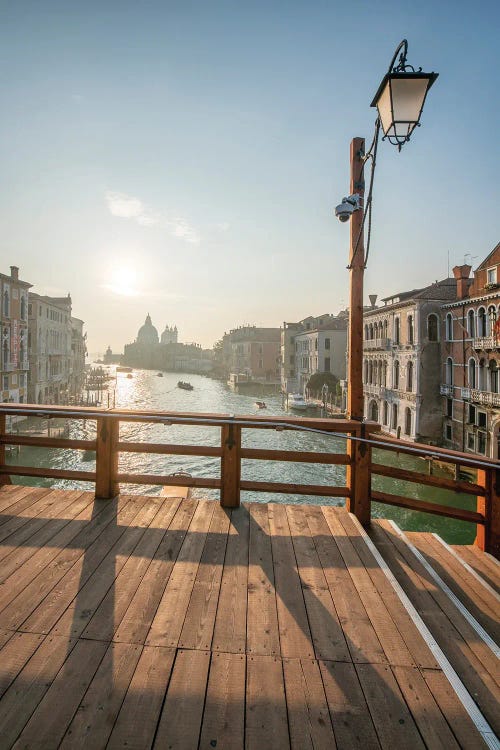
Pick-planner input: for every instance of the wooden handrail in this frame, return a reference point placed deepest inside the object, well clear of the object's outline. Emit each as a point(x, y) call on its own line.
point(361, 439)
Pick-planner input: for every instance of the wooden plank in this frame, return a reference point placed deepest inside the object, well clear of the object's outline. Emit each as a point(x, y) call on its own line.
point(393, 721)
point(35, 535)
point(31, 471)
point(359, 632)
point(160, 479)
point(294, 632)
point(139, 615)
point(17, 528)
point(47, 442)
point(430, 480)
point(326, 630)
point(102, 579)
point(198, 628)
point(4, 480)
point(295, 489)
point(30, 686)
point(180, 721)
point(108, 615)
point(50, 563)
point(415, 643)
point(54, 713)
point(425, 711)
point(478, 560)
point(351, 719)
point(169, 618)
point(423, 506)
point(14, 656)
point(262, 618)
point(230, 469)
point(169, 449)
point(479, 601)
point(460, 653)
point(18, 500)
point(266, 717)
point(311, 457)
point(308, 716)
point(230, 630)
point(136, 723)
point(388, 634)
point(44, 616)
point(224, 716)
point(97, 712)
point(457, 717)
point(106, 466)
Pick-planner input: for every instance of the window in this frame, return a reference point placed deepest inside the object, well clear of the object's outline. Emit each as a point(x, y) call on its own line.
point(472, 373)
point(432, 328)
point(481, 442)
point(409, 377)
point(471, 324)
point(481, 419)
point(471, 414)
point(471, 441)
point(449, 327)
point(327, 364)
point(481, 322)
point(410, 329)
point(491, 275)
point(449, 407)
point(6, 382)
point(327, 343)
point(492, 319)
point(6, 304)
point(449, 371)
point(394, 416)
point(386, 412)
point(493, 376)
point(407, 421)
point(396, 331)
point(448, 432)
point(396, 375)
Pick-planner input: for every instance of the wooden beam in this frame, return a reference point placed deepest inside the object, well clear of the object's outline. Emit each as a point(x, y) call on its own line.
point(4, 477)
point(170, 449)
point(106, 483)
point(302, 456)
point(230, 466)
point(176, 480)
point(295, 489)
point(30, 471)
point(424, 507)
point(46, 442)
point(431, 480)
point(488, 535)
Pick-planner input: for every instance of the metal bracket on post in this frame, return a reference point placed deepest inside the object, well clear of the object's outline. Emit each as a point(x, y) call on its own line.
point(362, 444)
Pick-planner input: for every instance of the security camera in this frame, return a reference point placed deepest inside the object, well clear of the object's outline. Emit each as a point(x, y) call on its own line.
point(344, 210)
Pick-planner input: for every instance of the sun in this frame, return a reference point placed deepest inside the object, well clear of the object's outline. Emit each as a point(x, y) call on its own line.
point(123, 281)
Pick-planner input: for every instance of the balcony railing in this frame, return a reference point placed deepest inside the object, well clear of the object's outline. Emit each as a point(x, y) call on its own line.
point(9, 367)
point(446, 390)
point(486, 343)
point(465, 393)
point(383, 343)
point(360, 439)
point(485, 398)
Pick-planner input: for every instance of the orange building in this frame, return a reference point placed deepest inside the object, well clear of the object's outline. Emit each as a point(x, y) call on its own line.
point(14, 362)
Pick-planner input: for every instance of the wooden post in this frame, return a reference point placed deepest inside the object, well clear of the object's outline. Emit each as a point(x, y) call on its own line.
point(4, 478)
point(358, 478)
point(230, 466)
point(356, 273)
point(106, 485)
point(488, 536)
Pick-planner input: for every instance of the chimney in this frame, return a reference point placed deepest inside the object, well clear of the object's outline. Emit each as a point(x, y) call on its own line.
point(14, 273)
point(373, 299)
point(461, 274)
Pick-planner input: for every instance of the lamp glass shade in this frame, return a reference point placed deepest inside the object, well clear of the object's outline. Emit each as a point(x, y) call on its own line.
point(400, 100)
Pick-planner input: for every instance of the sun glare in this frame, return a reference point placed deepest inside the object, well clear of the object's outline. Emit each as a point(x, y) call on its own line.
point(124, 282)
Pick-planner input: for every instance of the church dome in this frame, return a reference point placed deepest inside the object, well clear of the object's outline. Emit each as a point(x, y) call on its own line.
point(147, 333)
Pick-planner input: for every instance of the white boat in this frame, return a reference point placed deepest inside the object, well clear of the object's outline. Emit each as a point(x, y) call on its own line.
point(296, 401)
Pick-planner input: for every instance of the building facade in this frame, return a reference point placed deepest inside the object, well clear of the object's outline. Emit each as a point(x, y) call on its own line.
point(252, 351)
point(50, 342)
point(168, 354)
point(470, 382)
point(78, 354)
point(14, 361)
point(402, 362)
point(315, 344)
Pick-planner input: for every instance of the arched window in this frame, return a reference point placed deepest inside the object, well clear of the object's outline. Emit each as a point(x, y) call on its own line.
point(23, 308)
point(396, 331)
point(375, 330)
point(395, 383)
point(481, 322)
point(374, 411)
point(409, 323)
point(493, 367)
point(385, 329)
point(407, 421)
point(386, 413)
point(409, 376)
point(492, 320)
point(449, 371)
point(370, 372)
point(472, 372)
point(371, 331)
point(6, 303)
point(449, 327)
point(384, 377)
point(366, 371)
point(471, 324)
point(432, 328)
point(481, 376)
point(394, 423)
point(366, 333)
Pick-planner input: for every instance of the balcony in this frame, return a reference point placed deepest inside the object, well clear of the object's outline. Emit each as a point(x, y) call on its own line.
point(465, 393)
point(9, 367)
point(485, 398)
point(446, 390)
point(374, 344)
point(486, 343)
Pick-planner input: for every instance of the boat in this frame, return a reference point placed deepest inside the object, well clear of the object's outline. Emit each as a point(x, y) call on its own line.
point(185, 386)
point(261, 404)
point(124, 369)
point(159, 374)
point(296, 401)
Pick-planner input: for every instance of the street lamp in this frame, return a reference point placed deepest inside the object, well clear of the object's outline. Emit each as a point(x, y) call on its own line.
point(399, 100)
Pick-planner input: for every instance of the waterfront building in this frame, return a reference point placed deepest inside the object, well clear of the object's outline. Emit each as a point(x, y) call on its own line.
point(110, 358)
point(50, 353)
point(314, 344)
point(150, 352)
point(14, 361)
point(470, 383)
point(78, 354)
point(251, 351)
point(402, 362)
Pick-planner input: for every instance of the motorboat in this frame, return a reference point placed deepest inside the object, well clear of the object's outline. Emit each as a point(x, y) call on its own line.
point(185, 386)
point(261, 404)
point(296, 401)
point(159, 374)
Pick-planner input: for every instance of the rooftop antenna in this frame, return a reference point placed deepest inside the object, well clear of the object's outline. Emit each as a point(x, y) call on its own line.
point(471, 258)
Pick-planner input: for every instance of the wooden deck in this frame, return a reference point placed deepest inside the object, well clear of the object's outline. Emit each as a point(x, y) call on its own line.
point(174, 623)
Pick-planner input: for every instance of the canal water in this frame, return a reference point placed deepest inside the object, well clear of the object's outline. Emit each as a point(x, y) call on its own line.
point(145, 390)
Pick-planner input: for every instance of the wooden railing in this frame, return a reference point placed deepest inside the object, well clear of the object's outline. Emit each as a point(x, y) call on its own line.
point(361, 439)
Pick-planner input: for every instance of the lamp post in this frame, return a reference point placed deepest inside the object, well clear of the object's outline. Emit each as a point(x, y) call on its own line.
point(399, 100)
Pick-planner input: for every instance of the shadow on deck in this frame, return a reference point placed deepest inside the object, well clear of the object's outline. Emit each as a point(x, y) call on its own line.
point(174, 623)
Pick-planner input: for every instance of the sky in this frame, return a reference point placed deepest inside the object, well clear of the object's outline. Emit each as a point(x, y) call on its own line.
point(184, 158)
